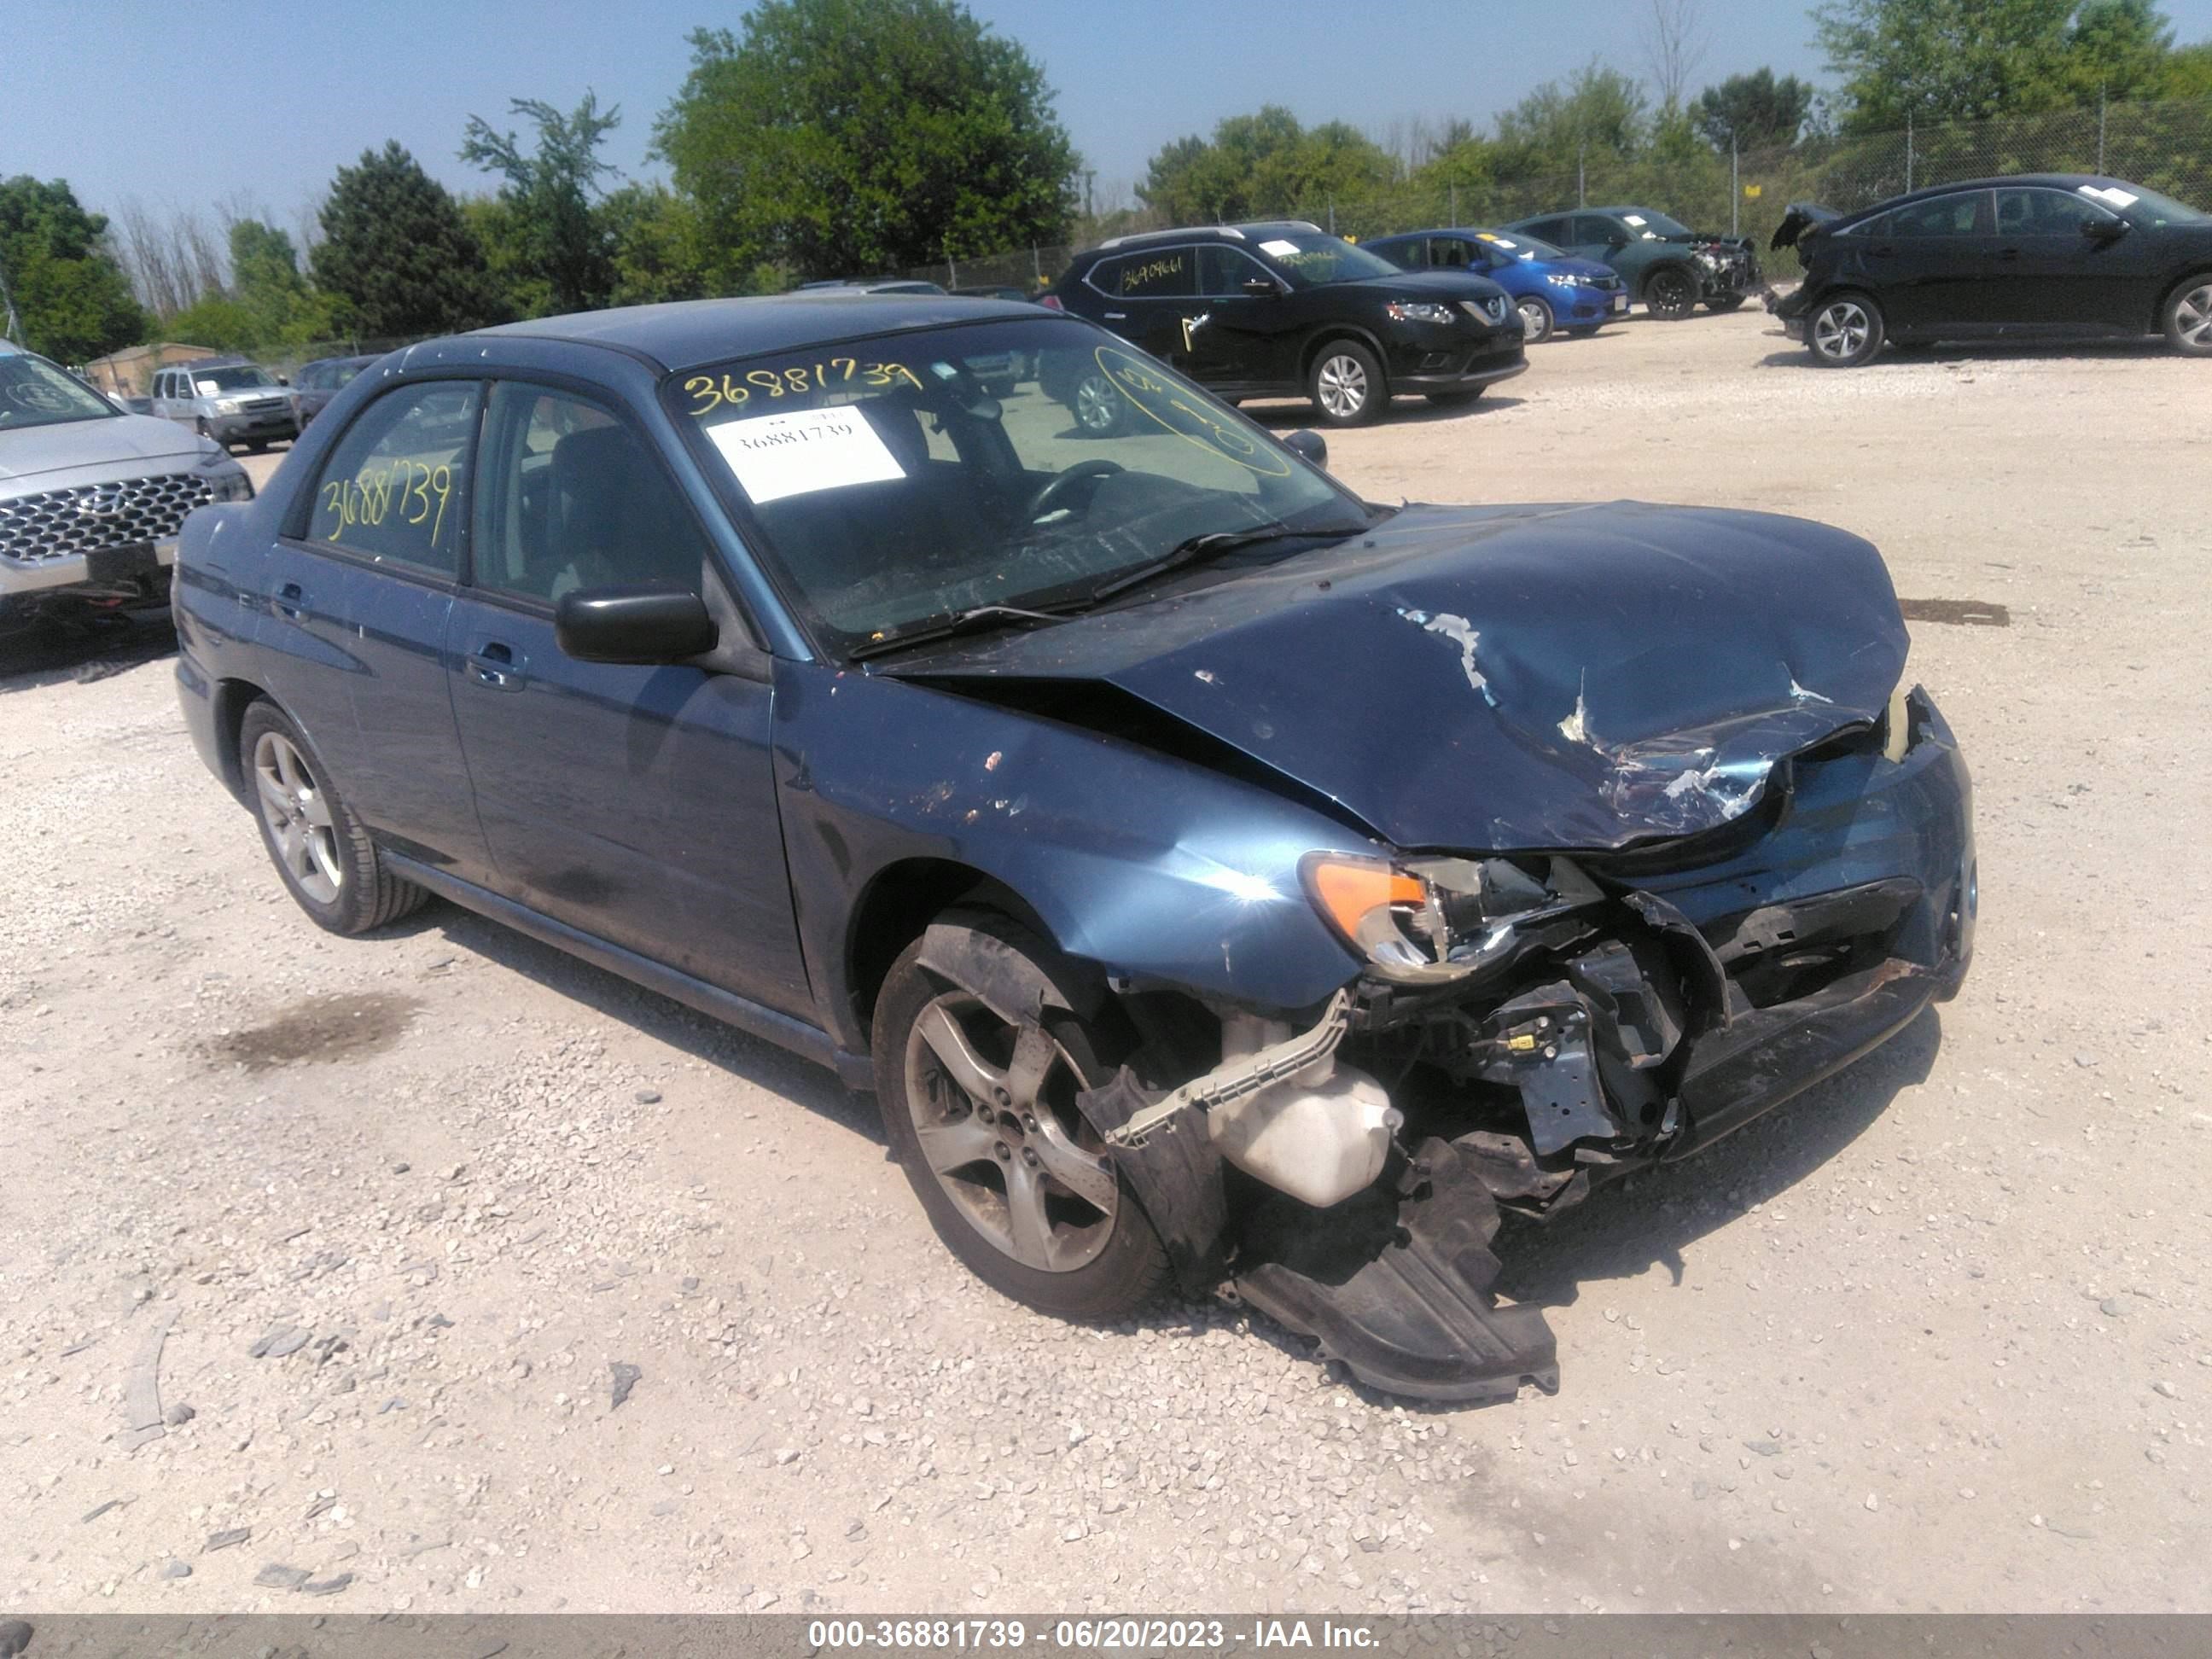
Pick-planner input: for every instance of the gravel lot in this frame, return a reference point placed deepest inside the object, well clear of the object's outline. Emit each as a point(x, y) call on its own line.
point(371, 1227)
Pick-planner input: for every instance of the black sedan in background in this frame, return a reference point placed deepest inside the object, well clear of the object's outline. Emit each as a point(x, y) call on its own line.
point(2040, 256)
point(318, 382)
point(1284, 309)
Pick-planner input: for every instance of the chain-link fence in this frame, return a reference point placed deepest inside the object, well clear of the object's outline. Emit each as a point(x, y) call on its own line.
point(2165, 145)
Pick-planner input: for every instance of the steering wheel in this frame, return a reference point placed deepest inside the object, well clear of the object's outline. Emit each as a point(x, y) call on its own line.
point(1048, 499)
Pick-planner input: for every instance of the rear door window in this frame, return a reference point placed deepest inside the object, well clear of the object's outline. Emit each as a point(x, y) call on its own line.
point(1223, 271)
point(1168, 273)
point(394, 489)
point(1964, 214)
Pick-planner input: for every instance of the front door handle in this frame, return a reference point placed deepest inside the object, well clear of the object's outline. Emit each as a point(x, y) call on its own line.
point(1117, 316)
point(290, 603)
point(495, 665)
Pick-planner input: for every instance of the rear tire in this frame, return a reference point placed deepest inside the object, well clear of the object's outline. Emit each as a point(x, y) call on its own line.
point(320, 848)
point(1670, 294)
point(1844, 330)
point(1536, 318)
point(985, 1152)
point(1347, 385)
point(2188, 316)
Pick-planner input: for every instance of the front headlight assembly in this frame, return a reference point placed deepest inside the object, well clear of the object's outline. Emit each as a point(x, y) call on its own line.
point(1420, 311)
point(227, 479)
point(1565, 282)
point(1430, 921)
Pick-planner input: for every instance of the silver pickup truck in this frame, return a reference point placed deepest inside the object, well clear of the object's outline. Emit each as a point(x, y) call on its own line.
point(91, 496)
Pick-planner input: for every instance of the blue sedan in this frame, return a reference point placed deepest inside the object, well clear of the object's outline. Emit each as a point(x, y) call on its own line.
point(1216, 878)
point(1554, 290)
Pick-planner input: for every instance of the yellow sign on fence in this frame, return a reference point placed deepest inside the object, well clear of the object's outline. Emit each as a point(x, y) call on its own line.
point(1752, 190)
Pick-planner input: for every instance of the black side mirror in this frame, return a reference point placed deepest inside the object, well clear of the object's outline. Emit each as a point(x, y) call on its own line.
point(1309, 444)
point(1617, 239)
point(633, 625)
point(1261, 288)
point(2104, 230)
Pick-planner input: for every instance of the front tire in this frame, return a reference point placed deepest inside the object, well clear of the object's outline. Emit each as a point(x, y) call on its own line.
point(1844, 330)
point(321, 850)
point(982, 1115)
point(1536, 318)
point(1347, 385)
point(2189, 316)
point(1670, 294)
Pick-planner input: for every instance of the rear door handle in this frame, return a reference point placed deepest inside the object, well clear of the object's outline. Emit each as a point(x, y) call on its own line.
point(290, 603)
point(495, 665)
point(1117, 316)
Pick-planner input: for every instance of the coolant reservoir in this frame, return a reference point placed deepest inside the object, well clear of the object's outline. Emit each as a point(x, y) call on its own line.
point(1319, 1141)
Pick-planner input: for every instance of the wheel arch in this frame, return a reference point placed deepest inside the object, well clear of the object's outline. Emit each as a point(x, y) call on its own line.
point(232, 698)
point(898, 906)
point(1327, 335)
point(2196, 273)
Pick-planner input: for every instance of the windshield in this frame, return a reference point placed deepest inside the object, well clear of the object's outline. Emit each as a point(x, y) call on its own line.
point(1654, 226)
point(1520, 244)
point(2148, 205)
point(233, 377)
point(1312, 259)
point(34, 392)
point(900, 483)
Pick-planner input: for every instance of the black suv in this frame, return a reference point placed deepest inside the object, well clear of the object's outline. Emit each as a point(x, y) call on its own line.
point(1284, 309)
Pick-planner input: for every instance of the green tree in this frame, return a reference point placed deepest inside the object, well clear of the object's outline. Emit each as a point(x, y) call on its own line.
point(266, 281)
point(2187, 73)
point(396, 254)
point(1597, 109)
point(659, 251)
point(72, 298)
point(1758, 111)
point(1970, 60)
point(559, 237)
point(861, 136)
point(1262, 165)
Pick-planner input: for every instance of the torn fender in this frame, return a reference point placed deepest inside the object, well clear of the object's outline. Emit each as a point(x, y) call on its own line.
point(1501, 679)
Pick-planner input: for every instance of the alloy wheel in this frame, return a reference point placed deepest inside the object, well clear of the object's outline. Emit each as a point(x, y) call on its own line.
point(1841, 329)
point(2192, 317)
point(298, 817)
point(994, 1113)
point(1098, 405)
point(1342, 386)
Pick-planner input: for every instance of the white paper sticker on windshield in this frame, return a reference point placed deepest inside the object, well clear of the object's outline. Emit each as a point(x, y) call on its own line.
point(1281, 249)
point(808, 449)
point(1632, 219)
point(207, 388)
point(2108, 193)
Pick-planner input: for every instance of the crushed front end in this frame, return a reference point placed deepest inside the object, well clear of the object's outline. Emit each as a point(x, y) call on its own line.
point(1530, 1025)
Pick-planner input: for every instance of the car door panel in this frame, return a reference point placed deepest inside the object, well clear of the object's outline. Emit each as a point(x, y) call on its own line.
point(2053, 277)
point(634, 803)
point(1234, 340)
point(1931, 264)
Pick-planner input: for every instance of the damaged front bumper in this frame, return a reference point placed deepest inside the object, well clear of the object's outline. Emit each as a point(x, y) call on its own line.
point(1684, 989)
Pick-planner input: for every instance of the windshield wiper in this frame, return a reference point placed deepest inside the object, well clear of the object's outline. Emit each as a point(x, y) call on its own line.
point(1194, 548)
point(972, 621)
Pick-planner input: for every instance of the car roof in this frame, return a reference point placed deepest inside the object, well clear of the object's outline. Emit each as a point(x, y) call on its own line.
point(1929, 192)
point(1250, 230)
point(682, 333)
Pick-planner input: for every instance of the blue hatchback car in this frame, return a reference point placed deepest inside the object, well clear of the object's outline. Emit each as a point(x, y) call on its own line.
point(1554, 290)
point(1217, 878)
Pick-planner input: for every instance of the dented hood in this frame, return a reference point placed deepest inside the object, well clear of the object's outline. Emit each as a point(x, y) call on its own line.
point(1504, 678)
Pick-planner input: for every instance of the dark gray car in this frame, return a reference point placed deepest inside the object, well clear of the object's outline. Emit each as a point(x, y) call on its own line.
point(318, 382)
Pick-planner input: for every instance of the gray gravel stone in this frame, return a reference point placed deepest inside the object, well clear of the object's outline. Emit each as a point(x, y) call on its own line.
point(275, 1575)
point(224, 1541)
point(280, 1340)
point(626, 1376)
point(176, 1569)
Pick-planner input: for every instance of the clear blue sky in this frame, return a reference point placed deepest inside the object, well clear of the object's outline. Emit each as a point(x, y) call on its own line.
point(180, 105)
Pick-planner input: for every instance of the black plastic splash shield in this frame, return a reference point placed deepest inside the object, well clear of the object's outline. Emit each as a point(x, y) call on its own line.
point(1396, 1285)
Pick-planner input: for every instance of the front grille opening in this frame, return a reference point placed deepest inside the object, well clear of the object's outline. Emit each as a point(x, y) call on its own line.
point(60, 524)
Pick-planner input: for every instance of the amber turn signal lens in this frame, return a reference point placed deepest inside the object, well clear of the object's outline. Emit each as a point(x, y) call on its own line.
point(1349, 890)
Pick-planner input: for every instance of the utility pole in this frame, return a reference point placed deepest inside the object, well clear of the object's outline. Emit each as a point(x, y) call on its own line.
point(1908, 152)
point(1455, 207)
point(1581, 176)
point(1735, 188)
point(2100, 128)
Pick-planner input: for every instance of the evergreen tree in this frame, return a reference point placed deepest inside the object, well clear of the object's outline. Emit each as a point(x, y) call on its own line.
point(396, 255)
